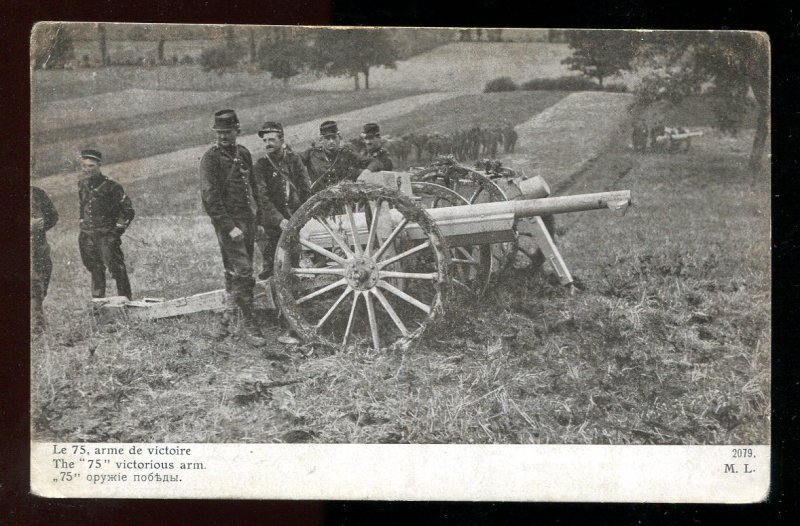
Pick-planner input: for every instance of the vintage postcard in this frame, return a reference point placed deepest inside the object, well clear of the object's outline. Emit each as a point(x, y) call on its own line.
point(400, 263)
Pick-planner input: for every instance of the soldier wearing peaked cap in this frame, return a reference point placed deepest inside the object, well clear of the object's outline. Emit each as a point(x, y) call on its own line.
point(376, 158)
point(105, 213)
point(283, 186)
point(230, 200)
point(329, 162)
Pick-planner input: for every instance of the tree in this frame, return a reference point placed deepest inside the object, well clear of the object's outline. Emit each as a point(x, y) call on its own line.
point(353, 51)
point(51, 46)
point(101, 31)
point(600, 54)
point(222, 58)
point(731, 67)
point(282, 59)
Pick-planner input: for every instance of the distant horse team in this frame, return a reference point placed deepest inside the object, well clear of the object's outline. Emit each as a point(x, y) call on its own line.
point(471, 144)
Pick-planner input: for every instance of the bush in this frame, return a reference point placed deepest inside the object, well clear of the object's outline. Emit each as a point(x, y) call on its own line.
point(220, 59)
point(500, 84)
point(572, 83)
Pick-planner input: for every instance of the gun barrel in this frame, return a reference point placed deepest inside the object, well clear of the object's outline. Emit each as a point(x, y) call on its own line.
point(481, 223)
point(535, 207)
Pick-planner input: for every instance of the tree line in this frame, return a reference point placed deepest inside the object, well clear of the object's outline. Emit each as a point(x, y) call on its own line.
point(730, 66)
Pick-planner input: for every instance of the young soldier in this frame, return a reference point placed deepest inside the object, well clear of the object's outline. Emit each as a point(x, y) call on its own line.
point(105, 214)
point(330, 163)
point(43, 217)
point(283, 186)
point(375, 159)
point(230, 201)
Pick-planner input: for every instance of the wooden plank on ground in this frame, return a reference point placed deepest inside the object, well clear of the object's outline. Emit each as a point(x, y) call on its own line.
point(153, 309)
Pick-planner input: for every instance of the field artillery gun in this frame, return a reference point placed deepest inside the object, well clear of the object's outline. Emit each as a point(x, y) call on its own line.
point(376, 260)
point(676, 139)
point(368, 261)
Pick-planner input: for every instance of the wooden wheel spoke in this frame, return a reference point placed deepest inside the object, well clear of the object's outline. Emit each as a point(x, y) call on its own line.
point(322, 251)
point(390, 311)
point(400, 226)
point(405, 297)
point(373, 227)
point(402, 255)
point(409, 275)
point(353, 229)
point(465, 252)
point(373, 322)
point(475, 195)
point(470, 262)
point(323, 290)
point(339, 241)
point(336, 271)
point(322, 320)
point(352, 316)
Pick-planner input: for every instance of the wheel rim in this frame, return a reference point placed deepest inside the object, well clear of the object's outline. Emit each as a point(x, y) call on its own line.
point(382, 286)
point(475, 187)
point(470, 265)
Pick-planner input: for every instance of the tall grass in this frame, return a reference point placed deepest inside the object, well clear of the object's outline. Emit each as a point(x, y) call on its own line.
point(668, 342)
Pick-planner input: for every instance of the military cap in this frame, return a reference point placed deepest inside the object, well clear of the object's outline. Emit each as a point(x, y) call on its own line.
point(270, 127)
point(371, 129)
point(225, 120)
point(328, 128)
point(92, 154)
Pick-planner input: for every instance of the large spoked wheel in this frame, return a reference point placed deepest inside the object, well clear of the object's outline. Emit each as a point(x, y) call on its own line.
point(471, 265)
point(475, 187)
point(346, 277)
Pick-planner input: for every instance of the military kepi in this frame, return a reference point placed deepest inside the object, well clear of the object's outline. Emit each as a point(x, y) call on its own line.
point(328, 128)
point(92, 154)
point(225, 120)
point(270, 127)
point(371, 129)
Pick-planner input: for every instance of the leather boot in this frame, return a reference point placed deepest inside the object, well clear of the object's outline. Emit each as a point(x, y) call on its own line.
point(253, 334)
point(228, 318)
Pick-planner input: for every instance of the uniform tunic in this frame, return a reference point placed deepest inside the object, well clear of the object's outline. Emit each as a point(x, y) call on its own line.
point(376, 161)
point(230, 200)
point(105, 213)
point(283, 186)
point(41, 264)
point(326, 170)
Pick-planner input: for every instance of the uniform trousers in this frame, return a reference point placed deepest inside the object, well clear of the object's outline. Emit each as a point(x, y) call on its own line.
point(101, 250)
point(237, 259)
point(41, 268)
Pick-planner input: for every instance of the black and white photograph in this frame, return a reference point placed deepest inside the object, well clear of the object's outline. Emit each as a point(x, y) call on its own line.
point(466, 236)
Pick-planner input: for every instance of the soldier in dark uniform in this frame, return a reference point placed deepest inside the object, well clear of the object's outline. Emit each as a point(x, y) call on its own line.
point(43, 217)
point(283, 186)
point(375, 159)
point(330, 163)
point(105, 213)
point(230, 200)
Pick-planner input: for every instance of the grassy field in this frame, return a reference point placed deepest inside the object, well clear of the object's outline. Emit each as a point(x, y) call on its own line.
point(667, 342)
point(464, 66)
point(151, 132)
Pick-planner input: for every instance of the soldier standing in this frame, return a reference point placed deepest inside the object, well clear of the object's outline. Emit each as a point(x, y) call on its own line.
point(283, 186)
point(330, 162)
point(376, 158)
point(230, 201)
point(43, 217)
point(105, 213)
